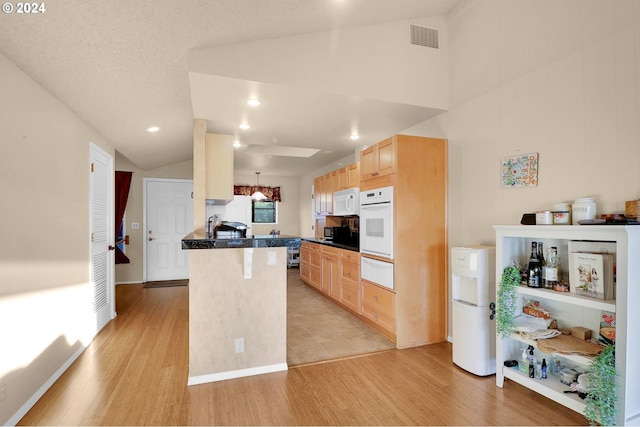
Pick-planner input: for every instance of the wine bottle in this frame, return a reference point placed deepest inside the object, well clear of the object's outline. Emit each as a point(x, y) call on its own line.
point(543, 276)
point(534, 268)
point(553, 268)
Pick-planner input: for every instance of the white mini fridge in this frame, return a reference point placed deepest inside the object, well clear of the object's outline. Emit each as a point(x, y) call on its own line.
point(473, 308)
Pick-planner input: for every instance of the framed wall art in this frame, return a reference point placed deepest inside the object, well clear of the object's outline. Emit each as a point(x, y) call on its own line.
point(519, 171)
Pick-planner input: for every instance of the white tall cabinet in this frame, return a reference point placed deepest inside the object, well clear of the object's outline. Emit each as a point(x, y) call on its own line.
point(513, 242)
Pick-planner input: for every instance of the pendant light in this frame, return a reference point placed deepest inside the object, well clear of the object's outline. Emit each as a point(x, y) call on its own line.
point(258, 195)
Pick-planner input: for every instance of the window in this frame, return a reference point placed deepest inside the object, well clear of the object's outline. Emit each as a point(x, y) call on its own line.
point(264, 212)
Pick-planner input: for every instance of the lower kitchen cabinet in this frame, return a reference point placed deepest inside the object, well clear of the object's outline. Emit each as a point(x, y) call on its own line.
point(350, 295)
point(378, 305)
point(311, 264)
point(330, 271)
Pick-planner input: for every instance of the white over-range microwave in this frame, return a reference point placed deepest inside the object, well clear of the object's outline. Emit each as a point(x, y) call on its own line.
point(346, 202)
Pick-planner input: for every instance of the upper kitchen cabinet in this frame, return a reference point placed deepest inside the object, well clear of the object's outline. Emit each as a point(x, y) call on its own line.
point(324, 186)
point(379, 160)
point(219, 168)
point(353, 175)
point(349, 177)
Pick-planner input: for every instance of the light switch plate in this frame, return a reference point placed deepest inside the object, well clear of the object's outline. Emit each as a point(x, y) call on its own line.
point(135, 225)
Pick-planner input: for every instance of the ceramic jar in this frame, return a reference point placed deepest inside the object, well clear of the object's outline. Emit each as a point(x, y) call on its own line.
point(583, 208)
point(562, 213)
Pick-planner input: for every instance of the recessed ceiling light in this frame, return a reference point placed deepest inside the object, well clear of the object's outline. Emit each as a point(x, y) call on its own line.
point(244, 126)
point(153, 129)
point(254, 102)
point(236, 143)
point(354, 136)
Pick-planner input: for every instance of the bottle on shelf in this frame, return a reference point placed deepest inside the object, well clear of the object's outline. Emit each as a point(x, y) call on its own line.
point(524, 362)
point(543, 262)
point(553, 268)
point(543, 374)
point(534, 268)
point(532, 363)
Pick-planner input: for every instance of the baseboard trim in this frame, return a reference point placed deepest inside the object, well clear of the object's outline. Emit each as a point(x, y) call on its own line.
point(228, 375)
point(135, 282)
point(43, 389)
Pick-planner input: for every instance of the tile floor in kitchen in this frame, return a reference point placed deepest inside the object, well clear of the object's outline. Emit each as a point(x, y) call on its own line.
point(318, 329)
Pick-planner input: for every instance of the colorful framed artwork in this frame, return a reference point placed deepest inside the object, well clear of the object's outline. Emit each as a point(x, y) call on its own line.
point(520, 171)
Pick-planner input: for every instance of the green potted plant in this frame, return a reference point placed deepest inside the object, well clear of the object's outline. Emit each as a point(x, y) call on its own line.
point(507, 300)
point(601, 389)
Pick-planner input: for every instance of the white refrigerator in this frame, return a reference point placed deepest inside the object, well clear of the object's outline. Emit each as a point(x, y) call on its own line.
point(473, 308)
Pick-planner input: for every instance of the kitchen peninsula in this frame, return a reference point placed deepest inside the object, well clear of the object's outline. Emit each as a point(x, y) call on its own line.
point(237, 306)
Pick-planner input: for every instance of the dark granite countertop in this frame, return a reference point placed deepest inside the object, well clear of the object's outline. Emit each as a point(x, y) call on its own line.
point(190, 241)
point(330, 243)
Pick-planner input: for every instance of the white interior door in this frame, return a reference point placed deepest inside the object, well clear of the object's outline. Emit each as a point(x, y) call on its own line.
point(169, 217)
point(101, 212)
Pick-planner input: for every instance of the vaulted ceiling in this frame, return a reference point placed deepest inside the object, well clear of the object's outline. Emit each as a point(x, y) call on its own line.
point(122, 66)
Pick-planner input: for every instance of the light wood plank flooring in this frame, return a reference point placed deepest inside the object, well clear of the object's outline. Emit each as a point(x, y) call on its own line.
point(135, 372)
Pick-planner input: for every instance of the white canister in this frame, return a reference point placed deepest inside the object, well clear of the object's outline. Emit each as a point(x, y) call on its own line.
point(583, 208)
point(562, 213)
point(544, 218)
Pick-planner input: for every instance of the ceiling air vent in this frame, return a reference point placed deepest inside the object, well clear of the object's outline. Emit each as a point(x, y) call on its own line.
point(422, 36)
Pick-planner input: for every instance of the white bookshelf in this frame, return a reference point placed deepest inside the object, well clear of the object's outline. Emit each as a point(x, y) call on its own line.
point(513, 242)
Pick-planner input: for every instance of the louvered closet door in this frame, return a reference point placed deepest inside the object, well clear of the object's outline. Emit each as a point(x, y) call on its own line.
point(101, 218)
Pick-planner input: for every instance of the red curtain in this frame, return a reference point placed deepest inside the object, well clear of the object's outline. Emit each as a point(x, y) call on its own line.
point(272, 193)
point(123, 183)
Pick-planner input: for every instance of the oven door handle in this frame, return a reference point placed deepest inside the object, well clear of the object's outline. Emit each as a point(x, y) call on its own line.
point(373, 206)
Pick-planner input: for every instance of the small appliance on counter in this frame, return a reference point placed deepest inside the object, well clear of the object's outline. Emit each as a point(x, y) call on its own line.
point(230, 230)
point(337, 234)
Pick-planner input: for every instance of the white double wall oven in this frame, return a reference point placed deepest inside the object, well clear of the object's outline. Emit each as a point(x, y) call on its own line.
point(376, 236)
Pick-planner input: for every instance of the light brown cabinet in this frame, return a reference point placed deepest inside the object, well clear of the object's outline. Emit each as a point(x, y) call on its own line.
point(219, 167)
point(311, 264)
point(378, 160)
point(318, 186)
point(379, 306)
point(330, 271)
point(350, 295)
point(324, 186)
point(416, 167)
point(353, 175)
point(348, 177)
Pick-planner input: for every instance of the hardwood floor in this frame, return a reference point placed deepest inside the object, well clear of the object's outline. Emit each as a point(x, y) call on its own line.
point(135, 372)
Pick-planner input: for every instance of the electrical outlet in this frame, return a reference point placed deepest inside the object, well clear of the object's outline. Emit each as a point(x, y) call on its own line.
point(239, 345)
point(3, 391)
point(271, 258)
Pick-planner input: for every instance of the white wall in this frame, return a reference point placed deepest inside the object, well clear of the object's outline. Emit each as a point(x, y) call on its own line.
point(374, 62)
point(44, 259)
point(560, 78)
point(556, 77)
point(133, 272)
